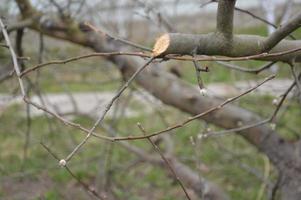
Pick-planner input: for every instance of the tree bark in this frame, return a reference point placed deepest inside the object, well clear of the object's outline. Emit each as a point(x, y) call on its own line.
point(215, 44)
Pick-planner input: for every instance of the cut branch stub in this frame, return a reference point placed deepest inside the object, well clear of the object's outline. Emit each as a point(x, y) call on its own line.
point(175, 43)
point(212, 44)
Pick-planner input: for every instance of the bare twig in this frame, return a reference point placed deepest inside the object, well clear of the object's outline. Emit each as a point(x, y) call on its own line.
point(190, 119)
point(160, 18)
point(245, 127)
point(225, 58)
point(27, 136)
point(248, 13)
point(19, 48)
point(59, 8)
point(107, 108)
point(261, 19)
point(14, 57)
point(41, 47)
point(297, 81)
point(54, 62)
point(117, 38)
point(166, 161)
point(252, 71)
point(65, 121)
point(6, 73)
point(198, 70)
point(83, 184)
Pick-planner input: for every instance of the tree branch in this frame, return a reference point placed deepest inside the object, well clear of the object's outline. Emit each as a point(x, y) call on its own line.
point(282, 32)
point(210, 44)
point(247, 70)
point(18, 25)
point(250, 14)
point(201, 186)
point(225, 13)
point(25, 8)
point(175, 43)
point(166, 161)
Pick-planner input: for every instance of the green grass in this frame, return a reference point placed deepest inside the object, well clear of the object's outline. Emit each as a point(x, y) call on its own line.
point(142, 177)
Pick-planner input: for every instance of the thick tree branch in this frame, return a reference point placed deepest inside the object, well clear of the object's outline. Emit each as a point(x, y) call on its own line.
point(225, 13)
point(25, 8)
point(211, 44)
point(18, 25)
point(175, 43)
point(200, 185)
point(250, 14)
point(282, 32)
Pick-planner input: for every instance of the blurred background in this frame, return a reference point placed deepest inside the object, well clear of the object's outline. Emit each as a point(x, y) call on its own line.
point(80, 90)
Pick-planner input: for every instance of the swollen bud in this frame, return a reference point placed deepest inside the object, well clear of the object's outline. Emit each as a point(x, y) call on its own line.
point(203, 91)
point(62, 163)
point(192, 140)
point(275, 102)
point(273, 126)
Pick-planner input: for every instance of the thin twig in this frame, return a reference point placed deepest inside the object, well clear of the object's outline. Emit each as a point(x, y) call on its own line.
point(14, 57)
point(261, 19)
point(166, 161)
point(27, 136)
point(242, 128)
point(161, 20)
point(108, 107)
point(252, 71)
point(240, 58)
point(248, 13)
point(55, 62)
point(190, 119)
point(198, 70)
point(65, 121)
point(19, 48)
point(280, 33)
point(83, 184)
point(117, 38)
point(292, 64)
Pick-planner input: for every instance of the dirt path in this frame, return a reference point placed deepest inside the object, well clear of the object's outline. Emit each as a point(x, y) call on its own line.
point(93, 103)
